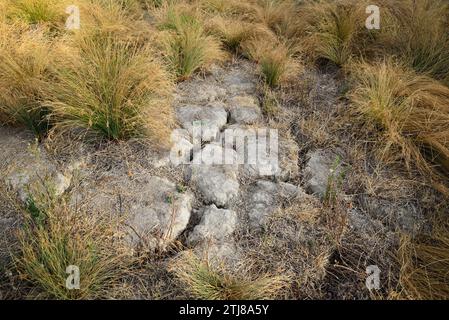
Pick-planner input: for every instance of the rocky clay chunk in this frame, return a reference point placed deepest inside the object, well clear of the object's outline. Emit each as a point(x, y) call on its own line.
point(216, 182)
point(210, 119)
point(244, 110)
point(320, 167)
point(26, 165)
point(156, 211)
point(216, 224)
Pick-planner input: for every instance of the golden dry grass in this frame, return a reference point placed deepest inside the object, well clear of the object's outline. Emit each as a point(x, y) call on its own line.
point(111, 88)
point(189, 50)
point(227, 8)
point(113, 17)
point(25, 57)
point(276, 60)
point(332, 29)
point(46, 12)
point(278, 16)
point(232, 32)
point(417, 32)
point(212, 282)
point(184, 42)
point(55, 236)
point(411, 112)
point(425, 264)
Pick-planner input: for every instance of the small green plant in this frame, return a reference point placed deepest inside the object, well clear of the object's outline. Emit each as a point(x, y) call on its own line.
point(334, 182)
point(37, 215)
point(181, 188)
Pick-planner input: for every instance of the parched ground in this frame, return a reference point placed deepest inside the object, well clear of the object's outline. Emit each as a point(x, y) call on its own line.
point(321, 217)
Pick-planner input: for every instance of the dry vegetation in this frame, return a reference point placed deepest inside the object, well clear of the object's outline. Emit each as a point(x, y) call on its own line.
point(113, 80)
point(210, 282)
point(55, 236)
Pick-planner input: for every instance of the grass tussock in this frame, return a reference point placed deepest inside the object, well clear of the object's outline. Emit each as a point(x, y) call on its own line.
point(126, 5)
point(227, 8)
point(190, 50)
point(56, 236)
point(208, 282)
point(185, 44)
point(3, 6)
point(24, 62)
point(425, 265)
point(276, 60)
point(33, 12)
point(410, 111)
point(232, 32)
point(332, 30)
point(417, 32)
point(278, 16)
point(120, 18)
point(113, 89)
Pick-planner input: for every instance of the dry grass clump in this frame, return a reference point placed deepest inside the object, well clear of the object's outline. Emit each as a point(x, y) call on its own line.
point(25, 57)
point(259, 33)
point(270, 102)
point(185, 43)
point(425, 264)
point(210, 282)
point(227, 8)
point(126, 5)
point(232, 32)
point(332, 30)
point(416, 31)
point(410, 111)
point(47, 12)
point(190, 50)
point(122, 19)
point(56, 236)
point(276, 60)
point(104, 78)
point(111, 88)
point(248, 28)
point(279, 16)
point(176, 15)
point(3, 6)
